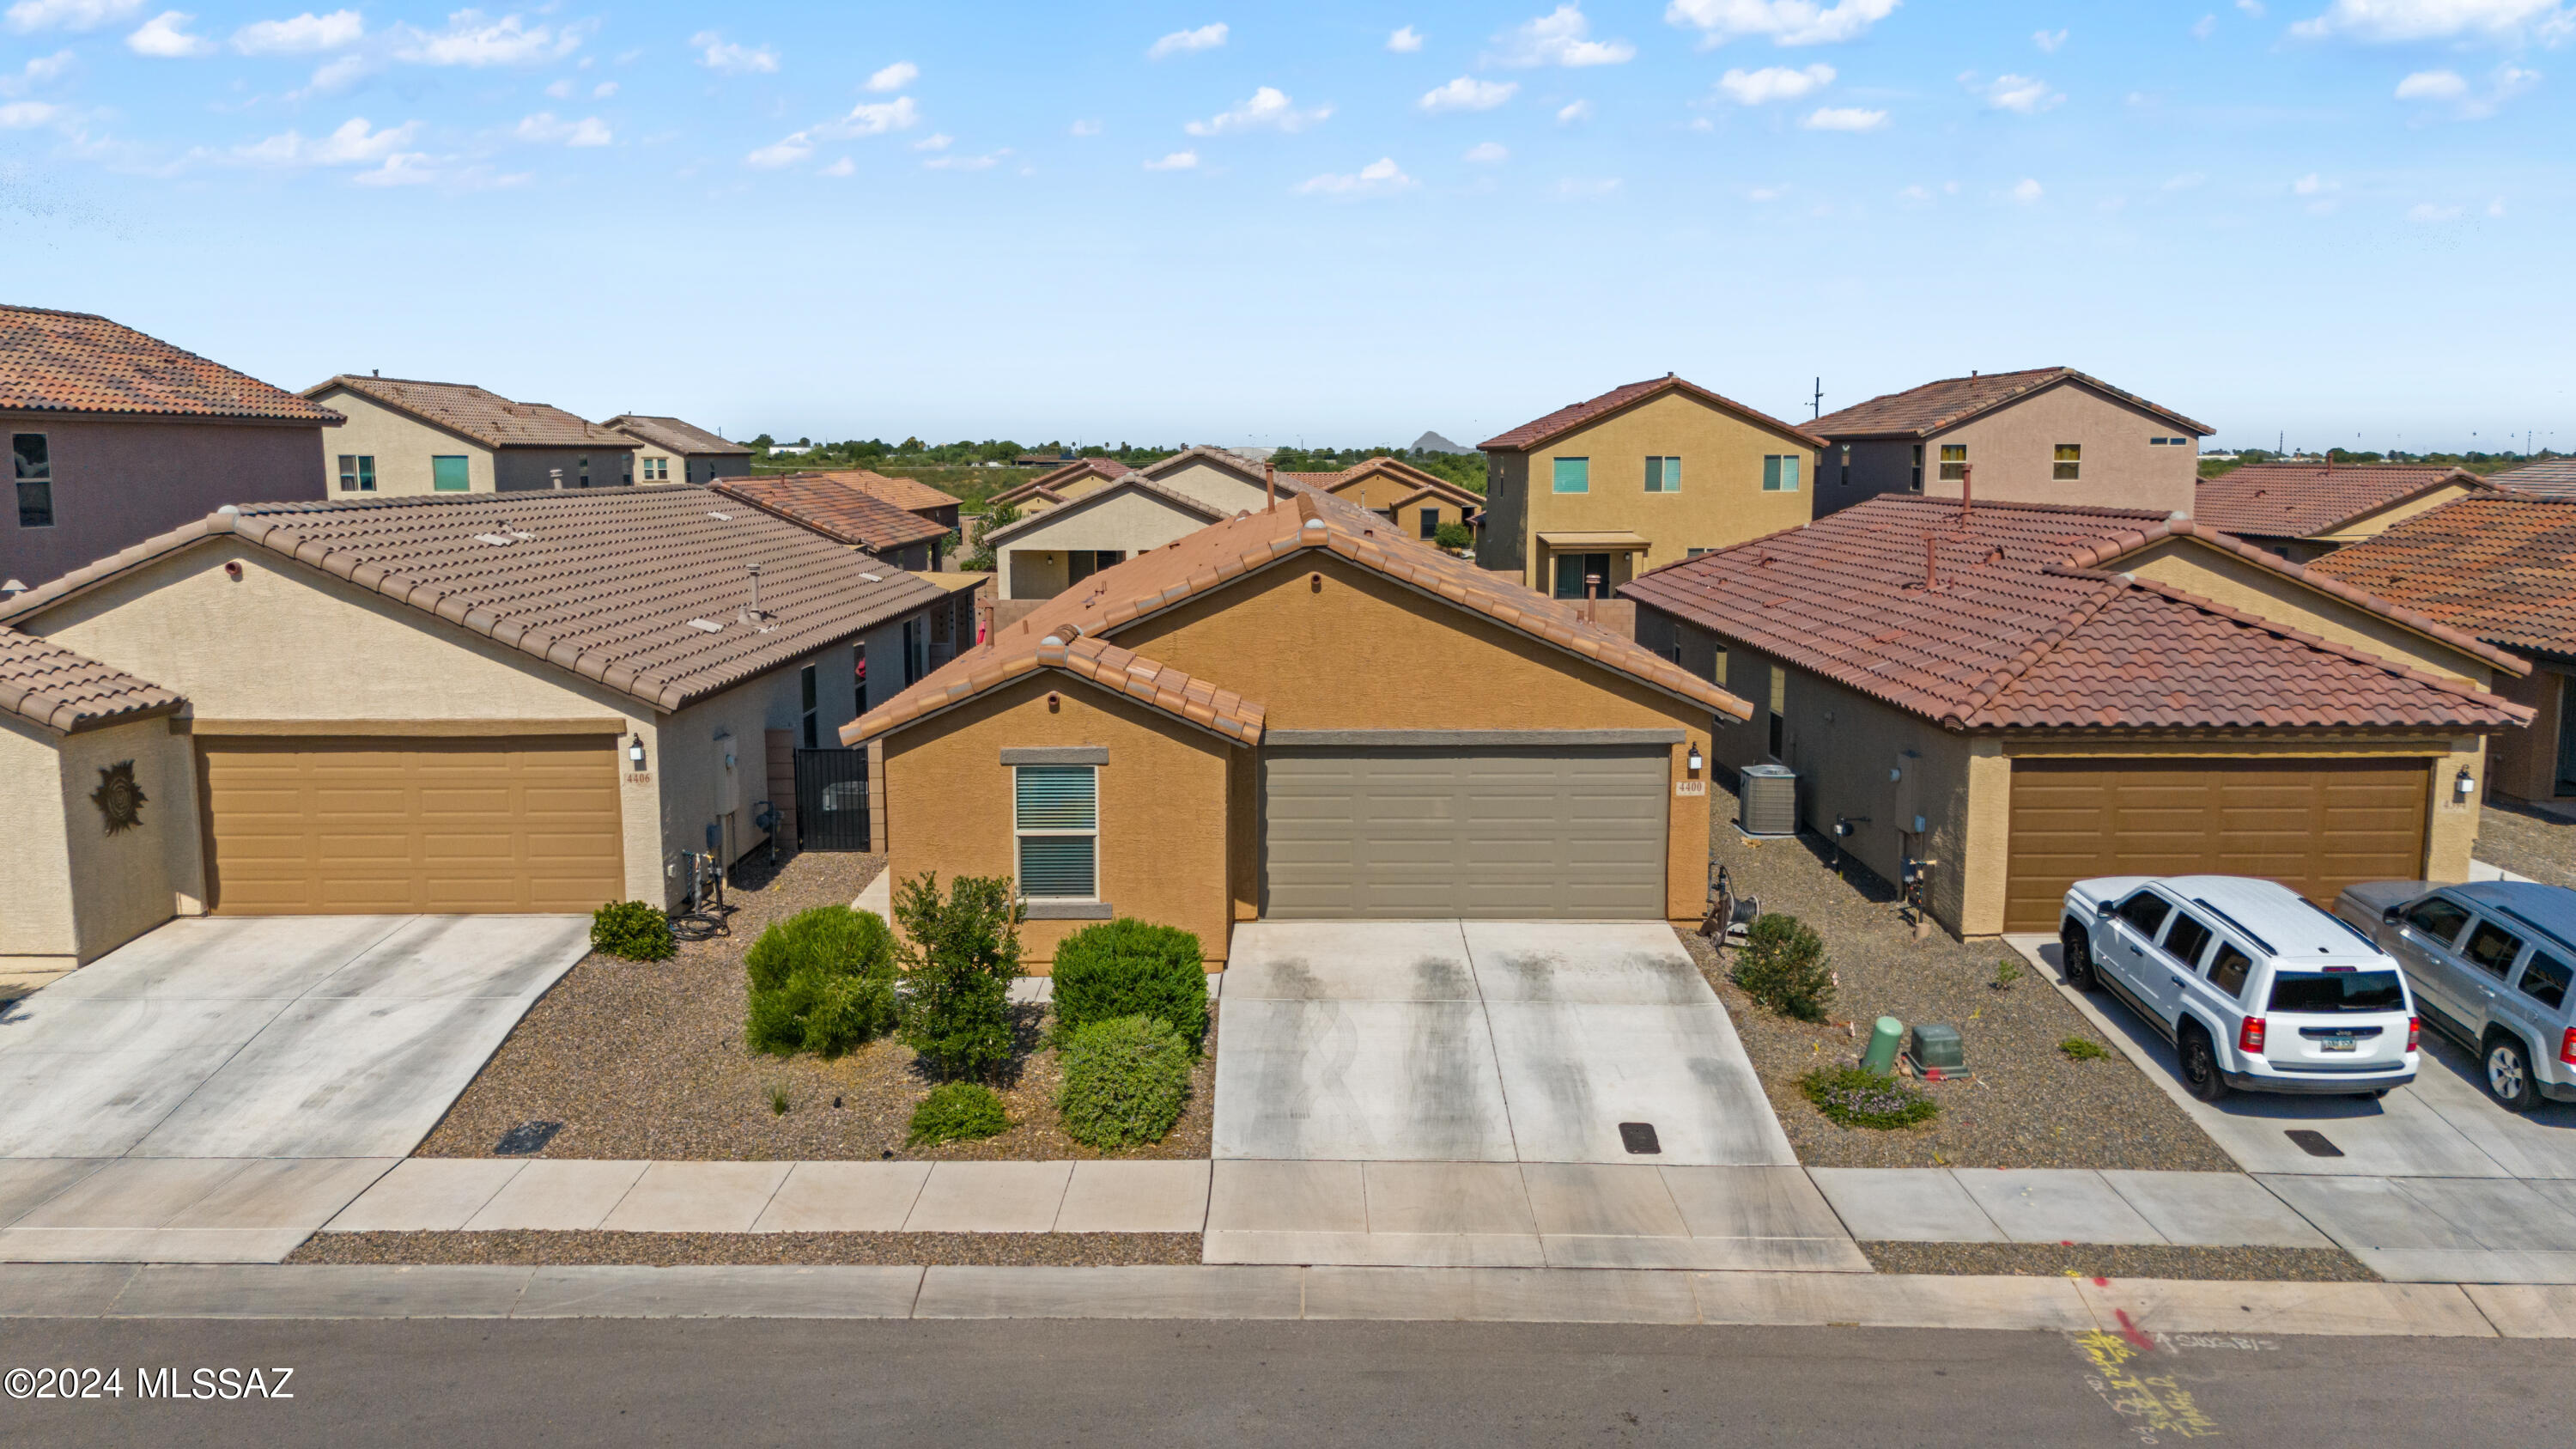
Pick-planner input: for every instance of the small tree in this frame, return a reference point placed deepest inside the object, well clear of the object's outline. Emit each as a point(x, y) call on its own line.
point(979, 558)
point(1454, 536)
point(959, 959)
point(1783, 966)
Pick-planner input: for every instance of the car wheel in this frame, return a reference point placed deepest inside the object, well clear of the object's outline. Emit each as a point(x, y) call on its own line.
point(2508, 1074)
point(2075, 954)
point(2200, 1074)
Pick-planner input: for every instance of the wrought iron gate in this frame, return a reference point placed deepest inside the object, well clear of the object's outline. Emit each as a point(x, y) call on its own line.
point(832, 799)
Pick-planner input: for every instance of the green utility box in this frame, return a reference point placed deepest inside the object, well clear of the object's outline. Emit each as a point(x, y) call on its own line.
point(1936, 1048)
point(1883, 1040)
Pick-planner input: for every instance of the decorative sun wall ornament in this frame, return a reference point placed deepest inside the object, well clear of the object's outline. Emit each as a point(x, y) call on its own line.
point(118, 798)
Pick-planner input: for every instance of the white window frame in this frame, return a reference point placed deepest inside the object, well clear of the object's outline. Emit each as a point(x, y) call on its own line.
point(2064, 469)
point(1020, 876)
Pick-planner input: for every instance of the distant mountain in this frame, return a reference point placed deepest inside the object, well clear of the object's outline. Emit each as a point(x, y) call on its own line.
point(1434, 443)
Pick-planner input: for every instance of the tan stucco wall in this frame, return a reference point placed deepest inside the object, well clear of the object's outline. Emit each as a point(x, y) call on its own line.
point(2525, 761)
point(77, 893)
point(2196, 568)
point(1224, 491)
point(401, 445)
point(2371, 525)
point(2013, 450)
point(1721, 501)
point(35, 857)
point(1131, 521)
point(1164, 845)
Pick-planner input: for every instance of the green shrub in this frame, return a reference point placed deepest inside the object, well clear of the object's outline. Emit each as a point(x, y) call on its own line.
point(1131, 968)
point(631, 930)
point(959, 958)
point(957, 1109)
point(1858, 1097)
point(1783, 966)
point(1125, 1081)
point(2078, 1049)
point(822, 981)
point(1454, 536)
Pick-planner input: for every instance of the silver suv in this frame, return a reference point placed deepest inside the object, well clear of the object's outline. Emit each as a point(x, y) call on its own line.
point(2490, 964)
point(2258, 988)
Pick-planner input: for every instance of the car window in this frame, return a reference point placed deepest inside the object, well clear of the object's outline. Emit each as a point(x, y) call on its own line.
point(2544, 979)
point(2333, 991)
point(2491, 948)
point(2186, 938)
point(2146, 911)
point(2438, 919)
point(2227, 969)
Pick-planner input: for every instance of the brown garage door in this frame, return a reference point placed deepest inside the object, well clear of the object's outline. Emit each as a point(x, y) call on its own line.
point(360, 825)
point(2316, 826)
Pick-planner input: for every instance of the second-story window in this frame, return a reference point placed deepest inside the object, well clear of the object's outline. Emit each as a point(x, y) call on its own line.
point(32, 462)
point(357, 473)
point(1573, 475)
point(2070, 459)
point(1663, 475)
point(1915, 485)
point(1780, 473)
point(1954, 462)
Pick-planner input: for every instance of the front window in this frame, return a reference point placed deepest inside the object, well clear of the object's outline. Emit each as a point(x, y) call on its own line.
point(1664, 475)
point(2070, 459)
point(357, 473)
point(33, 463)
point(1780, 473)
point(1431, 523)
point(1954, 462)
point(2439, 919)
point(448, 475)
point(1573, 475)
point(2325, 992)
point(1056, 814)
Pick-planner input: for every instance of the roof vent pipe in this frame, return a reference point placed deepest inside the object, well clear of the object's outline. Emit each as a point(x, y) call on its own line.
point(1967, 489)
point(1270, 484)
point(1931, 564)
point(753, 615)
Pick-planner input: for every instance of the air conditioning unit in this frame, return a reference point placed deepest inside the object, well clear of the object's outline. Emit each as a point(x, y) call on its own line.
point(1768, 800)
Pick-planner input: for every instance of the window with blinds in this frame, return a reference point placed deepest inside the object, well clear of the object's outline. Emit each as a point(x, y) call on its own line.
point(1056, 814)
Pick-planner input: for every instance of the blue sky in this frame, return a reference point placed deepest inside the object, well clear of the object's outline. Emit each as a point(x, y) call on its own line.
point(2344, 219)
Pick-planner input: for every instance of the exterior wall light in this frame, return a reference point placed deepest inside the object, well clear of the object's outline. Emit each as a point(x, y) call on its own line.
point(635, 753)
point(1695, 760)
point(2463, 784)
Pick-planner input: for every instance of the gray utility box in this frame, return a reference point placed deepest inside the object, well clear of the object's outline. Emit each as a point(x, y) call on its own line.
point(1767, 797)
point(1937, 1049)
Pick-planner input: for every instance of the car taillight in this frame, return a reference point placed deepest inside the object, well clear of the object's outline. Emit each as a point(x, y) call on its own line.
point(2249, 1037)
point(2415, 1030)
point(2567, 1047)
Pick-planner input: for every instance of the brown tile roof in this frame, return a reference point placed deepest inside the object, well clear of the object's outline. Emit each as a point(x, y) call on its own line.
point(48, 685)
point(611, 584)
point(74, 362)
point(2022, 632)
point(833, 509)
point(1132, 483)
point(1214, 556)
point(1922, 411)
point(481, 414)
point(1117, 670)
point(674, 435)
point(909, 494)
point(2498, 565)
point(1055, 478)
point(1415, 480)
point(2302, 500)
point(1225, 458)
point(2550, 478)
point(1566, 419)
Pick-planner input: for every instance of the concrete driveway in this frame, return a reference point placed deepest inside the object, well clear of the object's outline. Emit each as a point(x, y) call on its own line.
point(229, 1076)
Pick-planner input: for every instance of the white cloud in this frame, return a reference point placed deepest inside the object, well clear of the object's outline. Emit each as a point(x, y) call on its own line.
point(1915, 194)
point(785, 151)
point(29, 15)
point(2026, 191)
point(1844, 118)
point(1466, 93)
point(1183, 42)
point(338, 74)
point(1269, 109)
point(43, 70)
point(1084, 128)
point(475, 39)
point(1774, 83)
point(2251, 7)
point(936, 141)
point(603, 90)
point(1488, 153)
point(353, 144)
point(874, 118)
point(1177, 161)
point(2021, 94)
point(2468, 103)
point(2432, 85)
point(2187, 181)
point(894, 77)
point(545, 129)
point(1573, 111)
point(561, 90)
point(1560, 37)
point(1405, 41)
point(1576, 188)
point(1381, 177)
point(1766, 193)
point(19, 115)
point(843, 167)
point(301, 35)
point(2048, 40)
point(1787, 22)
point(2403, 20)
point(165, 36)
point(2313, 185)
point(2204, 27)
point(717, 53)
point(2427, 211)
point(985, 162)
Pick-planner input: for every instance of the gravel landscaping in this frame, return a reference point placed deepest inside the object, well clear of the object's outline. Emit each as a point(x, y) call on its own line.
point(645, 1060)
point(666, 1250)
point(2027, 1104)
point(2528, 842)
point(2121, 1260)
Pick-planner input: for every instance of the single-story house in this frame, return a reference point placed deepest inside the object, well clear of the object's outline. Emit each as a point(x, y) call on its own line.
point(1048, 552)
point(2305, 511)
point(1293, 714)
point(1413, 500)
point(533, 702)
point(1058, 484)
point(702, 456)
point(2499, 564)
point(405, 436)
point(2548, 478)
point(2010, 697)
point(909, 494)
point(844, 514)
point(2040, 435)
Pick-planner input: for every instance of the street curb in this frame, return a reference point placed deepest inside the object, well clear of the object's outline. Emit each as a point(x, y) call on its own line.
point(2135, 1308)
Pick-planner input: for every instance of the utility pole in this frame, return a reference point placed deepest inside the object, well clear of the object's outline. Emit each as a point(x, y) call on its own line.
point(1816, 404)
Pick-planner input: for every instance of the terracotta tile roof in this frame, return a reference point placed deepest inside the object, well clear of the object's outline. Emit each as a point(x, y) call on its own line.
point(1222, 552)
point(834, 509)
point(1922, 411)
point(2022, 631)
point(1132, 483)
point(1118, 670)
point(1310, 480)
point(612, 584)
point(2302, 500)
point(2550, 478)
point(1225, 458)
point(1080, 468)
point(1415, 480)
point(909, 494)
point(46, 684)
point(1566, 419)
point(674, 435)
point(74, 362)
point(481, 414)
point(2498, 565)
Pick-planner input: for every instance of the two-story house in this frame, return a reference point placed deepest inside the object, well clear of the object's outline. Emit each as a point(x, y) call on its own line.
point(1584, 499)
point(673, 451)
point(2049, 435)
point(405, 436)
point(115, 437)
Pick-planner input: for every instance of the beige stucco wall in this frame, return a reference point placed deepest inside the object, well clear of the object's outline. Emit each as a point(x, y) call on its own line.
point(2013, 450)
point(1219, 488)
point(2197, 568)
point(2371, 525)
point(2525, 761)
point(1131, 521)
point(401, 445)
point(76, 892)
point(37, 930)
point(1721, 501)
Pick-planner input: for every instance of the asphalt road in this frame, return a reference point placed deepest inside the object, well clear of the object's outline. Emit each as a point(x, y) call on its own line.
point(456, 1383)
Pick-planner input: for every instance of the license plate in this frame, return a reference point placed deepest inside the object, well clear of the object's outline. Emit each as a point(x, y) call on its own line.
point(2344, 1045)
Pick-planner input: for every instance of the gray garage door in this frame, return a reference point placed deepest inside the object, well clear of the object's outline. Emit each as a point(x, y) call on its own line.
point(1492, 833)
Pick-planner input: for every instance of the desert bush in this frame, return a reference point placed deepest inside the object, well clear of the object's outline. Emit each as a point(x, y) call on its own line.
point(1783, 966)
point(1858, 1097)
point(2078, 1049)
point(822, 981)
point(631, 930)
point(959, 958)
point(1131, 968)
point(1454, 536)
point(955, 1110)
point(1125, 1081)
point(832, 940)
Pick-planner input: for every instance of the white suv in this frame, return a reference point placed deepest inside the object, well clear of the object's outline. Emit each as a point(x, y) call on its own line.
point(2257, 987)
